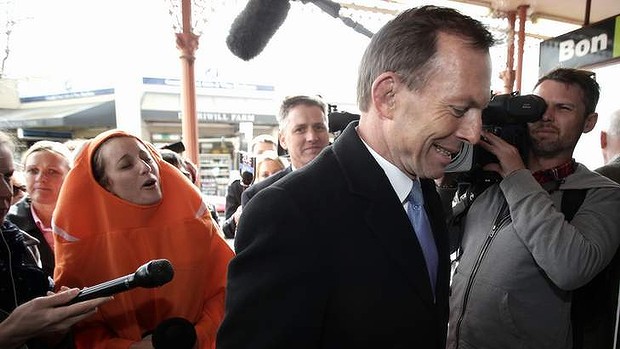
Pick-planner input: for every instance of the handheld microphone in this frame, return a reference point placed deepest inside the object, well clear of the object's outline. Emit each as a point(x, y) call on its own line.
point(152, 274)
point(174, 333)
point(255, 25)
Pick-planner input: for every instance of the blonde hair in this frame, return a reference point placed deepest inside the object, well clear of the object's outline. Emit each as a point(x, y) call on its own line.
point(50, 146)
point(269, 155)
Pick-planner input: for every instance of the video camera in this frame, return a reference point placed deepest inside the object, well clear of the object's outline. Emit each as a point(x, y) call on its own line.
point(338, 121)
point(506, 116)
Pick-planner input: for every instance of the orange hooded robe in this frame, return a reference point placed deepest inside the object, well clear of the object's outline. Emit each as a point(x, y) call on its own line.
point(100, 237)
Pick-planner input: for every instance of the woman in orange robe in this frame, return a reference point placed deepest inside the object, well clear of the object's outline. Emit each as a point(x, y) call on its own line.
point(120, 207)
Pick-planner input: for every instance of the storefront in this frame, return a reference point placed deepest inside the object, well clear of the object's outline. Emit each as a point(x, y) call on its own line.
point(228, 114)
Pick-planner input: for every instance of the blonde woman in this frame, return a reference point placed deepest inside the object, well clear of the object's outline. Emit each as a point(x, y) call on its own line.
point(46, 165)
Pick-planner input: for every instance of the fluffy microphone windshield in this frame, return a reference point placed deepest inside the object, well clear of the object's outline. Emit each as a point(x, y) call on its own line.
point(253, 28)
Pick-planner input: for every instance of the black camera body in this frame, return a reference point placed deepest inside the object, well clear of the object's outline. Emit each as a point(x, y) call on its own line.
point(506, 116)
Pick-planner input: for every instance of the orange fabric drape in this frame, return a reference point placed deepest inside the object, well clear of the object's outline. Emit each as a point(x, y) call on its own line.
point(100, 237)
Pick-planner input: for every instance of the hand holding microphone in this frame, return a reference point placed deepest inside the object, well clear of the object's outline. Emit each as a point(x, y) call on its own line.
point(152, 274)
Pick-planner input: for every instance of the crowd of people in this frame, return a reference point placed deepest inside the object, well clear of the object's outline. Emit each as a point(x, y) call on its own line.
point(341, 245)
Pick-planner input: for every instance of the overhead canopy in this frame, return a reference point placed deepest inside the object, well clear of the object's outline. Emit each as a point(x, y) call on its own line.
point(570, 11)
point(573, 12)
point(97, 114)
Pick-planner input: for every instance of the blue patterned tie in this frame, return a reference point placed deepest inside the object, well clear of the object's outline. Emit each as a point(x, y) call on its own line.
point(422, 228)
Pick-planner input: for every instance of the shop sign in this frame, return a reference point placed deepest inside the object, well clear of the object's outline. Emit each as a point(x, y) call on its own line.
point(596, 43)
point(68, 95)
point(224, 117)
point(233, 118)
point(222, 85)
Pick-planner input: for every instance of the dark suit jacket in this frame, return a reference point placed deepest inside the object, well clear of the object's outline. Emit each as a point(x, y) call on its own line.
point(255, 188)
point(611, 170)
point(229, 227)
point(327, 258)
point(21, 216)
point(606, 331)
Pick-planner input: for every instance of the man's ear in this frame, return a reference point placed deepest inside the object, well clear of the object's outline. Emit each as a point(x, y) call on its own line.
point(282, 140)
point(603, 140)
point(384, 94)
point(590, 122)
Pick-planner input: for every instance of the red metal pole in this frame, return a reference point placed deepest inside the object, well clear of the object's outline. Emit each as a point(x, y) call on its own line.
point(187, 43)
point(508, 75)
point(522, 14)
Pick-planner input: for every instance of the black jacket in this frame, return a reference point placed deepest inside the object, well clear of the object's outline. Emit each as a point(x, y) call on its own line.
point(21, 215)
point(229, 227)
point(21, 279)
point(233, 197)
point(327, 258)
point(255, 188)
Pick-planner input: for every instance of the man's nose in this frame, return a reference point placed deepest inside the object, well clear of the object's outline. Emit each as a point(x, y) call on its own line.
point(470, 128)
point(312, 135)
point(548, 115)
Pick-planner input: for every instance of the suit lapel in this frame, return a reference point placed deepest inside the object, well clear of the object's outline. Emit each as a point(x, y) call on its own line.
point(383, 212)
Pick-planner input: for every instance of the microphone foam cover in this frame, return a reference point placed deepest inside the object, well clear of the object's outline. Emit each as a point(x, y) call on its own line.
point(255, 25)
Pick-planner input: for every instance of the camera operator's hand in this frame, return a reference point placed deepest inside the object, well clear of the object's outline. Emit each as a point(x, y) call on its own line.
point(508, 156)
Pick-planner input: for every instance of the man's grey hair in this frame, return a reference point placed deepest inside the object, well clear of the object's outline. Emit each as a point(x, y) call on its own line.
point(614, 123)
point(291, 102)
point(407, 46)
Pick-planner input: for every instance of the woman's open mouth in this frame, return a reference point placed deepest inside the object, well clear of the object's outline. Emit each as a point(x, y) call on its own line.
point(149, 183)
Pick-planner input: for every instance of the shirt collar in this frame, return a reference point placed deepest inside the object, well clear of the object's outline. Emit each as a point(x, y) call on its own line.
point(401, 183)
point(38, 220)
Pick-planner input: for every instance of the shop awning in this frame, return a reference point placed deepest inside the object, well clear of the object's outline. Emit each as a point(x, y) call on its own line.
point(89, 115)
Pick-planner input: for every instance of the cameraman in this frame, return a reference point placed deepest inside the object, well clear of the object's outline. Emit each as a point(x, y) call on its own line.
point(520, 258)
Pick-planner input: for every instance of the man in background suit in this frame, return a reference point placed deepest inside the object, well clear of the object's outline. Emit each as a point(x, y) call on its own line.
point(610, 145)
point(303, 134)
point(327, 257)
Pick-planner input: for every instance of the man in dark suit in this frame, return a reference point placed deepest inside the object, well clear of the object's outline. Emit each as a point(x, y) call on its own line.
point(303, 134)
point(328, 256)
point(610, 326)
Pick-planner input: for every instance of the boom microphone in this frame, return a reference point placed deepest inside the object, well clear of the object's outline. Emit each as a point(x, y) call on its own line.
point(255, 25)
point(152, 274)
